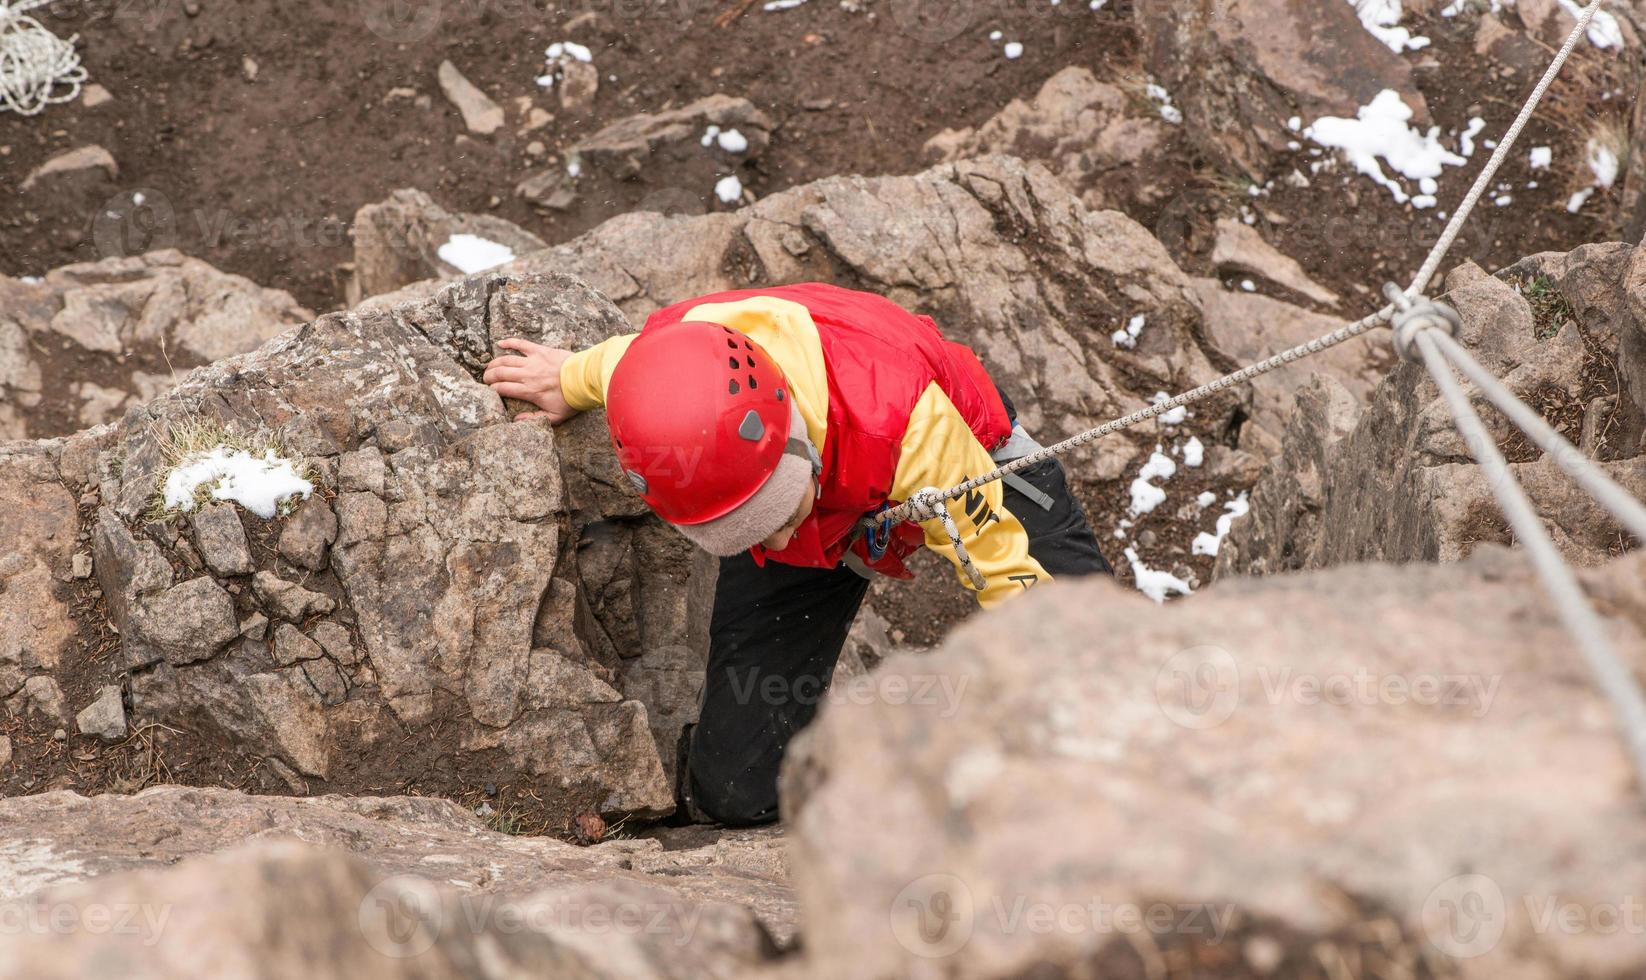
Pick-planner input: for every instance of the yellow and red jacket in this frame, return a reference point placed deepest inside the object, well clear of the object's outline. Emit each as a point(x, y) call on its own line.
point(892, 408)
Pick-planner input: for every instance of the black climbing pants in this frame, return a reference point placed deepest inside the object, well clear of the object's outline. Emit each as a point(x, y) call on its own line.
point(777, 632)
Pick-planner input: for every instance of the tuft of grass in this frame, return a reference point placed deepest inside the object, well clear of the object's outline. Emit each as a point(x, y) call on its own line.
point(183, 440)
point(1550, 310)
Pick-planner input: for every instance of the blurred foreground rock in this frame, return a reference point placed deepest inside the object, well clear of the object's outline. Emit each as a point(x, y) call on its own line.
point(1339, 767)
point(195, 883)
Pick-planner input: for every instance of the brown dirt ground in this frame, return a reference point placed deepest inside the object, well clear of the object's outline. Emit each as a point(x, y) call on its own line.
point(263, 177)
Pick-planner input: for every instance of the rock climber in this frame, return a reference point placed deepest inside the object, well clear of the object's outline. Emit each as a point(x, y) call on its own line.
point(764, 425)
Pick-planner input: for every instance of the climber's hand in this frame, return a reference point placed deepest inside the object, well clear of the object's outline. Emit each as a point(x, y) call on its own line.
point(532, 376)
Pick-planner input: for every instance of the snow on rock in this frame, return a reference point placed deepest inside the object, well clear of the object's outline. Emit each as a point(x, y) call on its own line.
point(1541, 157)
point(1127, 336)
point(1194, 453)
point(1603, 30)
point(1382, 18)
point(1208, 544)
point(1155, 584)
point(258, 483)
point(555, 57)
point(469, 254)
point(1013, 50)
point(1382, 129)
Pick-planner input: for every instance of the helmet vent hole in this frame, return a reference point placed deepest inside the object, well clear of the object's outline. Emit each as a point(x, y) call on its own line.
point(731, 343)
point(753, 384)
point(780, 394)
point(733, 362)
point(748, 345)
point(751, 363)
point(732, 387)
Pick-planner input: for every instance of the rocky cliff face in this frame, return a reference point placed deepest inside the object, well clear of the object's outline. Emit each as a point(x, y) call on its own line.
point(462, 600)
point(86, 342)
point(1388, 478)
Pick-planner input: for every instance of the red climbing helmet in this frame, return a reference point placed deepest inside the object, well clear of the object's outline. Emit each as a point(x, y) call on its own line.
point(700, 419)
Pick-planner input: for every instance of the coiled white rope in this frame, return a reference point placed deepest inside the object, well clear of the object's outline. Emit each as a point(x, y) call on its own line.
point(37, 68)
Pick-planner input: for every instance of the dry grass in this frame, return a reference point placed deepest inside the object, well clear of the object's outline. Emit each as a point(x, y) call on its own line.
point(186, 440)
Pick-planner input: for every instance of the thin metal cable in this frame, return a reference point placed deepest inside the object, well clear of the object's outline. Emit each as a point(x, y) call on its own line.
point(905, 511)
point(1579, 467)
point(1580, 618)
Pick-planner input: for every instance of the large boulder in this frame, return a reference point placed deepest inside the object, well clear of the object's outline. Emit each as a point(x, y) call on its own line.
point(1389, 478)
point(391, 887)
point(1088, 132)
point(461, 600)
point(409, 238)
point(1343, 767)
point(88, 341)
point(1241, 69)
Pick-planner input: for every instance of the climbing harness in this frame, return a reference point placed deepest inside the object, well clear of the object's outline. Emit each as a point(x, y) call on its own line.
point(37, 68)
point(1424, 333)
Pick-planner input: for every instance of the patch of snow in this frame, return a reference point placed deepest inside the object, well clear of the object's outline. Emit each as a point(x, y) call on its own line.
point(729, 189)
point(1466, 142)
point(733, 141)
point(1127, 336)
point(1174, 416)
point(1013, 50)
point(1382, 129)
point(1541, 157)
point(1194, 453)
point(1206, 499)
point(31, 280)
point(1603, 29)
point(1209, 544)
point(1382, 18)
point(1248, 285)
point(259, 484)
point(1145, 495)
point(1168, 111)
point(1603, 163)
point(1155, 584)
point(469, 254)
point(561, 50)
point(776, 5)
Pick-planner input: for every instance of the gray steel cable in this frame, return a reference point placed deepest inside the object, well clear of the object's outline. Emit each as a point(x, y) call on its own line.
point(1579, 467)
point(1614, 677)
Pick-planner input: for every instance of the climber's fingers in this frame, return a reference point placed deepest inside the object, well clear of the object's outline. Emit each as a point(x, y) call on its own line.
point(521, 346)
point(503, 370)
point(509, 389)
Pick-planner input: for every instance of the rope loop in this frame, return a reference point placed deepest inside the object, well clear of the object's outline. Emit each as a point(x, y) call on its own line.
point(1418, 315)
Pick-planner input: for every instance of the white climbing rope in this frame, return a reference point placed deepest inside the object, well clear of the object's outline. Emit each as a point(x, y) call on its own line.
point(1615, 679)
point(37, 68)
point(909, 511)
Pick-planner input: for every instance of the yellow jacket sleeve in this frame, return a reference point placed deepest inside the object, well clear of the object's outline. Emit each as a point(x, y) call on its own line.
point(584, 376)
point(940, 450)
